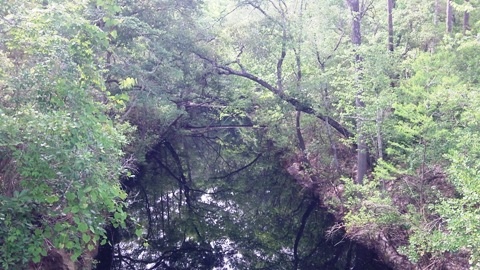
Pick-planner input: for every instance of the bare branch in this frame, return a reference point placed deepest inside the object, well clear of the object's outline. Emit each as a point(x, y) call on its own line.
point(257, 7)
point(319, 59)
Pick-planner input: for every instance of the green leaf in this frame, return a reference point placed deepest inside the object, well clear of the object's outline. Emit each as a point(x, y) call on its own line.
point(38, 232)
point(82, 227)
point(86, 238)
point(58, 227)
point(114, 34)
point(126, 84)
point(75, 255)
point(36, 259)
point(69, 244)
point(70, 196)
point(52, 199)
point(47, 233)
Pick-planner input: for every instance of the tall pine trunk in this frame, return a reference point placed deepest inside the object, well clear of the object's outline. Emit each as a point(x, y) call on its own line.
point(449, 17)
point(466, 19)
point(436, 9)
point(362, 151)
point(390, 24)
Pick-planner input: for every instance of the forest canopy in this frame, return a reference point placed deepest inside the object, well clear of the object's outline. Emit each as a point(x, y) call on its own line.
point(262, 134)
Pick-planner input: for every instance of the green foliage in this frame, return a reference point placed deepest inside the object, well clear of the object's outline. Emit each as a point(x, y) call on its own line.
point(436, 121)
point(75, 76)
point(419, 100)
point(20, 238)
point(369, 207)
point(56, 136)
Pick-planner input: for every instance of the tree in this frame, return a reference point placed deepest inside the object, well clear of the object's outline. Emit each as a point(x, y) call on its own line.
point(270, 141)
point(356, 36)
point(466, 19)
point(213, 149)
point(285, 64)
point(61, 153)
point(449, 16)
point(390, 5)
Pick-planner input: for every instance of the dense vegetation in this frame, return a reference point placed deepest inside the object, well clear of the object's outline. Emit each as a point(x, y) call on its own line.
point(263, 134)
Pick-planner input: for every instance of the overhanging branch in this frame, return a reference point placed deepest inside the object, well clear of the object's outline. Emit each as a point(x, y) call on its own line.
point(299, 106)
point(221, 127)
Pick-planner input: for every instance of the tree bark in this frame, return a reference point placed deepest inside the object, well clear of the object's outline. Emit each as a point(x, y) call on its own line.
point(449, 17)
point(362, 151)
point(356, 32)
point(436, 9)
point(388, 253)
point(466, 19)
point(390, 25)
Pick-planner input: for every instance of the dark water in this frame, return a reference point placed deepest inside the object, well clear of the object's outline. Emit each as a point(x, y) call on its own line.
point(256, 219)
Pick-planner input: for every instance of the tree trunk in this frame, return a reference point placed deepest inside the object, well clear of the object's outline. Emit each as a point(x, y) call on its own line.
point(436, 9)
point(390, 25)
point(466, 19)
point(356, 33)
point(362, 152)
point(389, 254)
point(449, 17)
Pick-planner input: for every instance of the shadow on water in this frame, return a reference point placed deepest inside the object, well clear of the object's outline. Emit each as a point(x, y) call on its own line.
point(258, 218)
